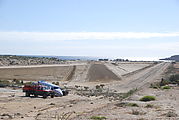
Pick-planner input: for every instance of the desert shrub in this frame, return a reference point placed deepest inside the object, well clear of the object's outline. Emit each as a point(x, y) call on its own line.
point(28, 83)
point(124, 104)
point(98, 118)
point(164, 82)
point(147, 98)
point(57, 83)
point(98, 87)
point(64, 116)
point(76, 86)
point(149, 106)
point(4, 83)
point(132, 105)
point(126, 95)
point(174, 79)
point(135, 112)
point(166, 87)
point(17, 82)
point(171, 114)
point(141, 119)
point(8, 115)
point(86, 88)
point(102, 85)
point(155, 85)
point(22, 82)
point(138, 112)
point(121, 104)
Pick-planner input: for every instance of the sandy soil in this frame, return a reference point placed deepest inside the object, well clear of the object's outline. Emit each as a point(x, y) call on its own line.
point(80, 106)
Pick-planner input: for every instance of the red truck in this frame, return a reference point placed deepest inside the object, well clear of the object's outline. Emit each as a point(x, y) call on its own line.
point(38, 90)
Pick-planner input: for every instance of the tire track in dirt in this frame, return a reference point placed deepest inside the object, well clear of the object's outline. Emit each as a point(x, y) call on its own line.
point(146, 76)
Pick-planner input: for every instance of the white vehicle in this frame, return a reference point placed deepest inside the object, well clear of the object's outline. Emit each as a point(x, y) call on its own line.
point(58, 91)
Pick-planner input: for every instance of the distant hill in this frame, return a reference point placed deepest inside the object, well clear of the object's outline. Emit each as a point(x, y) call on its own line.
point(7, 60)
point(174, 57)
point(65, 57)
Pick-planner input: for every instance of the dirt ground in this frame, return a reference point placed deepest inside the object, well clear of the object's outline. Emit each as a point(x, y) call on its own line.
point(85, 100)
point(166, 104)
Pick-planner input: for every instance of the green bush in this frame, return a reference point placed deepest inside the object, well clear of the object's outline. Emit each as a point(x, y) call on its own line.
point(166, 87)
point(98, 118)
point(147, 98)
point(132, 105)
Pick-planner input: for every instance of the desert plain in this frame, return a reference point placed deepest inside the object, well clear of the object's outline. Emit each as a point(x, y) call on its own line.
point(97, 90)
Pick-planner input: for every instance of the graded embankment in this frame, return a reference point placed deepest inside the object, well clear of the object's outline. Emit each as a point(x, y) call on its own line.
point(35, 73)
point(100, 73)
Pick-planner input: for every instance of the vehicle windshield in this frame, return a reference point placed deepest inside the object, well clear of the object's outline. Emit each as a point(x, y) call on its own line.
point(45, 88)
point(56, 88)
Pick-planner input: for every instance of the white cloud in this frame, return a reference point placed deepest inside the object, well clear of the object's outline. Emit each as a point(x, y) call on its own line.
point(55, 36)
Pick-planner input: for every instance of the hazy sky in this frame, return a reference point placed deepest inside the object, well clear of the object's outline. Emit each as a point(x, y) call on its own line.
point(113, 28)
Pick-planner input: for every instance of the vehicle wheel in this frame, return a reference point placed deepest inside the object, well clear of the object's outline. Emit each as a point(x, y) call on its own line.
point(27, 94)
point(52, 96)
point(44, 95)
point(65, 92)
point(35, 95)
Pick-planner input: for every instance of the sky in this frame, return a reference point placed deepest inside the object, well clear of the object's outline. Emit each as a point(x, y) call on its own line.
point(130, 29)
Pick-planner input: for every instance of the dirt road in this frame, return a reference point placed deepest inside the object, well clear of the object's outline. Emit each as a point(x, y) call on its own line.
point(142, 78)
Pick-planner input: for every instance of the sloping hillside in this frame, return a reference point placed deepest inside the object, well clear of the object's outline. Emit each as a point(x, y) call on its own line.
point(8, 60)
point(174, 57)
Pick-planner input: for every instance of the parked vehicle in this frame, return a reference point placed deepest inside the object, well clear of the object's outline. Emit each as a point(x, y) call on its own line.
point(38, 90)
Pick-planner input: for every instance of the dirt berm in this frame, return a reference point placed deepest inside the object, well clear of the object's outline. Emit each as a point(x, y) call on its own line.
point(100, 73)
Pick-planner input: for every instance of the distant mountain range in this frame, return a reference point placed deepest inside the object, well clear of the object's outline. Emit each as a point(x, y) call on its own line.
point(174, 57)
